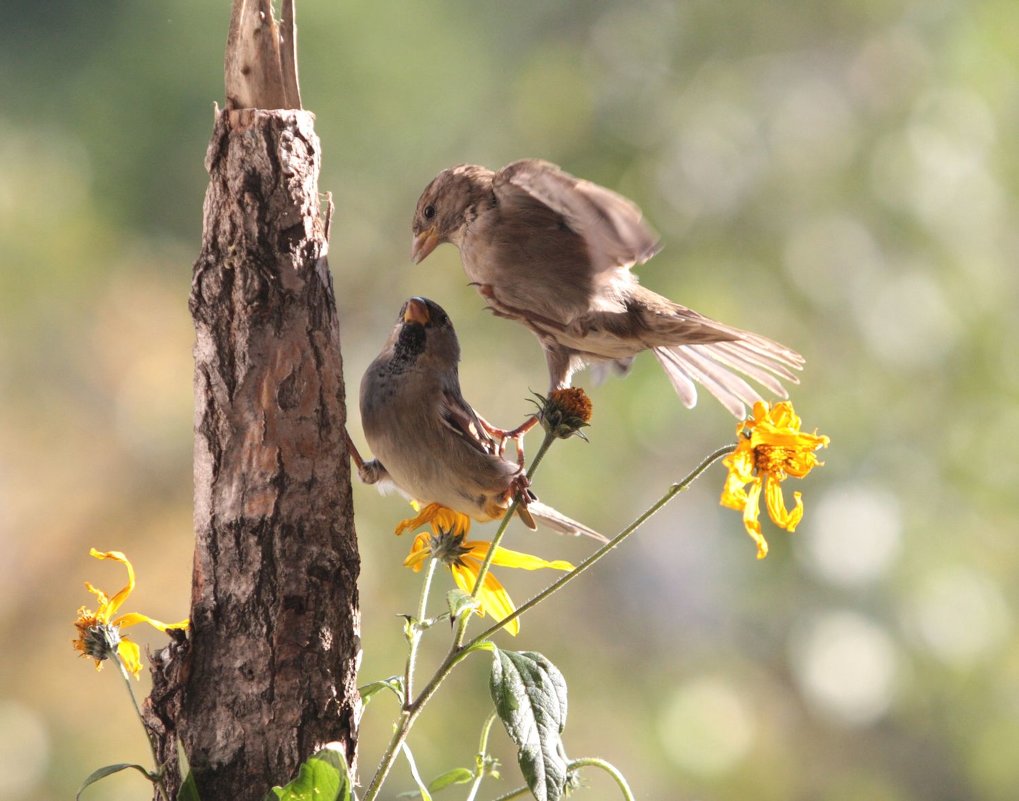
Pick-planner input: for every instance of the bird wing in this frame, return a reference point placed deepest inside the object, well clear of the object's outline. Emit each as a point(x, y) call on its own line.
point(459, 417)
point(611, 226)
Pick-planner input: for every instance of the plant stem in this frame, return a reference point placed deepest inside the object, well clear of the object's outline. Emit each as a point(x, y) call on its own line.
point(415, 638)
point(518, 793)
point(482, 755)
point(584, 566)
point(158, 772)
point(608, 768)
point(461, 630)
point(407, 718)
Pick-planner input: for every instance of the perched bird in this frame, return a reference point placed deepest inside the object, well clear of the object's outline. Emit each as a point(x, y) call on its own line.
point(427, 439)
point(554, 252)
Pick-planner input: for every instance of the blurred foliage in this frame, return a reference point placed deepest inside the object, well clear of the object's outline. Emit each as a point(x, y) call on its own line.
point(840, 176)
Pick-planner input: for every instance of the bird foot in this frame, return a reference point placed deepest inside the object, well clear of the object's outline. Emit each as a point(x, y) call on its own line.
point(515, 435)
point(520, 488)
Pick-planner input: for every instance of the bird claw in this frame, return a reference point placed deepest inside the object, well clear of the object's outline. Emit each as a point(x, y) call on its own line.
point(516, 435)
point(520, 489)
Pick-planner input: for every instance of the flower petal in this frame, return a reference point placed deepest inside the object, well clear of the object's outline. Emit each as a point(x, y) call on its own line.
point(130, 655)
point(492, 597)
point(114, 603)
point(751, 518)
point(504, 557)
point(782, 517)
point(439, 517)
point(133, 618)
point(419, 553)
point(103, 608)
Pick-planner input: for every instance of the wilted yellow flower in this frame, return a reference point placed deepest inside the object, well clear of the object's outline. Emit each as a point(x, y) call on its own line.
point(771, 447)
point(464, 559)
point(99, 636)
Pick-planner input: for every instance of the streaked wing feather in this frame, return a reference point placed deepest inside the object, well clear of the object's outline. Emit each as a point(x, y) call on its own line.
point(611, 225)
point(459, 417)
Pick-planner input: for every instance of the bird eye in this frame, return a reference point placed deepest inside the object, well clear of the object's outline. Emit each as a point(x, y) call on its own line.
point(429, 211)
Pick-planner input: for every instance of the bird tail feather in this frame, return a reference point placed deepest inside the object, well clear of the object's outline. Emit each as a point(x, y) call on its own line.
point(716, 365)
point(560, 523)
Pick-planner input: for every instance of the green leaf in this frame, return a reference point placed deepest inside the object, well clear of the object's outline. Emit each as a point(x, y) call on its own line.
point(460, 603)
point(109, 770)
point(188, 789)
point(324, 777)
point(449, 778)
point(530, 698)
point(393, 683)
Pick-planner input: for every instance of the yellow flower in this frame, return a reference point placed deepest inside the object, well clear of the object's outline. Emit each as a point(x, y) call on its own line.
point(771, 447)
point(99, 636)
point(441, 518)
point(464, 558)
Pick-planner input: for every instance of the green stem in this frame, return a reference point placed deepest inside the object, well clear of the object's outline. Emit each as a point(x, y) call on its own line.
point(415, 639)
point(461, 630)
point(588, 563)
point(608, 768)
point(482, 755)
point(459, 652)
point(407, 719)
point(518, 793)
point(157, 775)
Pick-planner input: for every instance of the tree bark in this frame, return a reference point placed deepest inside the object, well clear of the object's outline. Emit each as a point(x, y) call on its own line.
point(268, 672)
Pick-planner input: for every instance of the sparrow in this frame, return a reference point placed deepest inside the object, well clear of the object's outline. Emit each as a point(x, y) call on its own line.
point(554, 252)
point(428, 441)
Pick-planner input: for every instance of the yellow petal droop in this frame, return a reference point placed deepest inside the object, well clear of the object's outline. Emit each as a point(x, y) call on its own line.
point(99, 636)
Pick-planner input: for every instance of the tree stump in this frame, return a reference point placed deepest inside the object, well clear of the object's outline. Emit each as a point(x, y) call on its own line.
point(267, 674)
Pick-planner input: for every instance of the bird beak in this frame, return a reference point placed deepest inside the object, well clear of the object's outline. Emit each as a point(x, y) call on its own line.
point(416, 312)
point(424, 243)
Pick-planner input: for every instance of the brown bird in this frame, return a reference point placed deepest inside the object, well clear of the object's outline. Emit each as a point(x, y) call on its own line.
point(427, 439)
point(554, 252)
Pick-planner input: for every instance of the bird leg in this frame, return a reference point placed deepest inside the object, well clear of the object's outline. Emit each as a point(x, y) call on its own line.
point(516, 435)
point(370, 472)
point(352, 450)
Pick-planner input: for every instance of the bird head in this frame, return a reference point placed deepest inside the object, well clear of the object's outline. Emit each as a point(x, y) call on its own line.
point(424, 335)
point(445, 206)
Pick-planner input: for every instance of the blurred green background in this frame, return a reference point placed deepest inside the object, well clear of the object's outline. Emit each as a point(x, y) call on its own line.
point(841, 176)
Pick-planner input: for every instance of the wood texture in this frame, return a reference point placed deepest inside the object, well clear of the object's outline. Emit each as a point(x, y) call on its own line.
point(261, 57)
point(268, 673)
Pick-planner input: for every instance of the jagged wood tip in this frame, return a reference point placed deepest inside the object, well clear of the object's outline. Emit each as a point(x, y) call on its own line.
point(261, 57)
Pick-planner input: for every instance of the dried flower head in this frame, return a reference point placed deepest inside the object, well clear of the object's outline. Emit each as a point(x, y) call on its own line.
point(565, 411)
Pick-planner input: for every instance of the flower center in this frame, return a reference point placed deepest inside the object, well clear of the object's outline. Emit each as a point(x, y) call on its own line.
point(772, 459)
point(99, 640)
point(447, 547)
